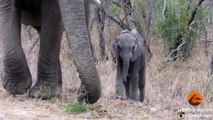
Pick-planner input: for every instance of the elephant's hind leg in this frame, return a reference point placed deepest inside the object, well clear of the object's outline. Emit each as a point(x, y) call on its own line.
point(49, 78)
point(16, 77)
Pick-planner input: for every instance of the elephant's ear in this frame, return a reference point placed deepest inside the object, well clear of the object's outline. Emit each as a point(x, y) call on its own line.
point(139, 48)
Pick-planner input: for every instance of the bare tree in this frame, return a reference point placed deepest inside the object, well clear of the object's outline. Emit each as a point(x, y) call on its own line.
point(178, 41)
point(194, 12)
point(130, 15)
point(129, 18)
point(100, 22)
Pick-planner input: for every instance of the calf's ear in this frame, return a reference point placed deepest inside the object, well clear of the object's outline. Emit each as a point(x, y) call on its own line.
point(138, 50)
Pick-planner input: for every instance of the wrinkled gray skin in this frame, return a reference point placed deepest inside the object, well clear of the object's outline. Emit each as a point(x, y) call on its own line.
point(130, 55)
point(48, 17)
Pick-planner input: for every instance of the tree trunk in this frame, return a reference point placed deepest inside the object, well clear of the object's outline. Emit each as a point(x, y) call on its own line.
point(100, 20)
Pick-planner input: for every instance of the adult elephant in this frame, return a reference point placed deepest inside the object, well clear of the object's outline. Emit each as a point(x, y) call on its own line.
point(48, 17)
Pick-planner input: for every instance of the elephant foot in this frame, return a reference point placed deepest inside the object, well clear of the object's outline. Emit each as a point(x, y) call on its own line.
point(141, 97)
point(120, 96)
point(45, 90)
point(18, 83)
point(119, 93)
point(134, 98)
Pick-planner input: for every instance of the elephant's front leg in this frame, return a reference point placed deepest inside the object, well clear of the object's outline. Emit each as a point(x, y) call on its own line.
point(119, 85)
point(16, 77)
point(49, 78)
point(134, 81)
point(127, 86)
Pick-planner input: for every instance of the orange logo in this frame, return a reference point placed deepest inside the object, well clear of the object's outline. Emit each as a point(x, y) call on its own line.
point(194, 98)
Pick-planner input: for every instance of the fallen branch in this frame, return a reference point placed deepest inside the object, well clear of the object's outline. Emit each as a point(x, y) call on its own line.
point(177, 49)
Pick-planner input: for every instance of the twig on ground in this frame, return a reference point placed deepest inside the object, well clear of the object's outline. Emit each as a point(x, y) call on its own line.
point(178, 48)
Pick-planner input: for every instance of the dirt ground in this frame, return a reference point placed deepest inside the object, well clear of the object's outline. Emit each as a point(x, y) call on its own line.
point(24, 108)
point(167, 86)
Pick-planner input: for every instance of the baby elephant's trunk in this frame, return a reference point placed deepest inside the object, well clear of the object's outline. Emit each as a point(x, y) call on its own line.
point(125, 69)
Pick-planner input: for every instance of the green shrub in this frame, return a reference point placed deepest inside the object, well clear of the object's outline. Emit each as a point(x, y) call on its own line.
point(114, 9)
point(174, 29)
point(77, 107)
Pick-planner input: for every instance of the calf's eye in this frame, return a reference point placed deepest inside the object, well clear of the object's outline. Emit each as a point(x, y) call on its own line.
point(133, 47)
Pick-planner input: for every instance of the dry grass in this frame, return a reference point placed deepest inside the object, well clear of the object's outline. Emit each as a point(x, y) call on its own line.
point(167, 86)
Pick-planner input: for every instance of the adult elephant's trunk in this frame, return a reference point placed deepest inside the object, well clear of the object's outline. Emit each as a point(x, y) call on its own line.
point(75, 23)
point(125, 69)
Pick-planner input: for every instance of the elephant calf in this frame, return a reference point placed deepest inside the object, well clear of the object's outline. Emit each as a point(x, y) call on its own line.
point(130, 58)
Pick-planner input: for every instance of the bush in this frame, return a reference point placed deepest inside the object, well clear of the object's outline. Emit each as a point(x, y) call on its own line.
point(174, 28)
point(77, 107)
